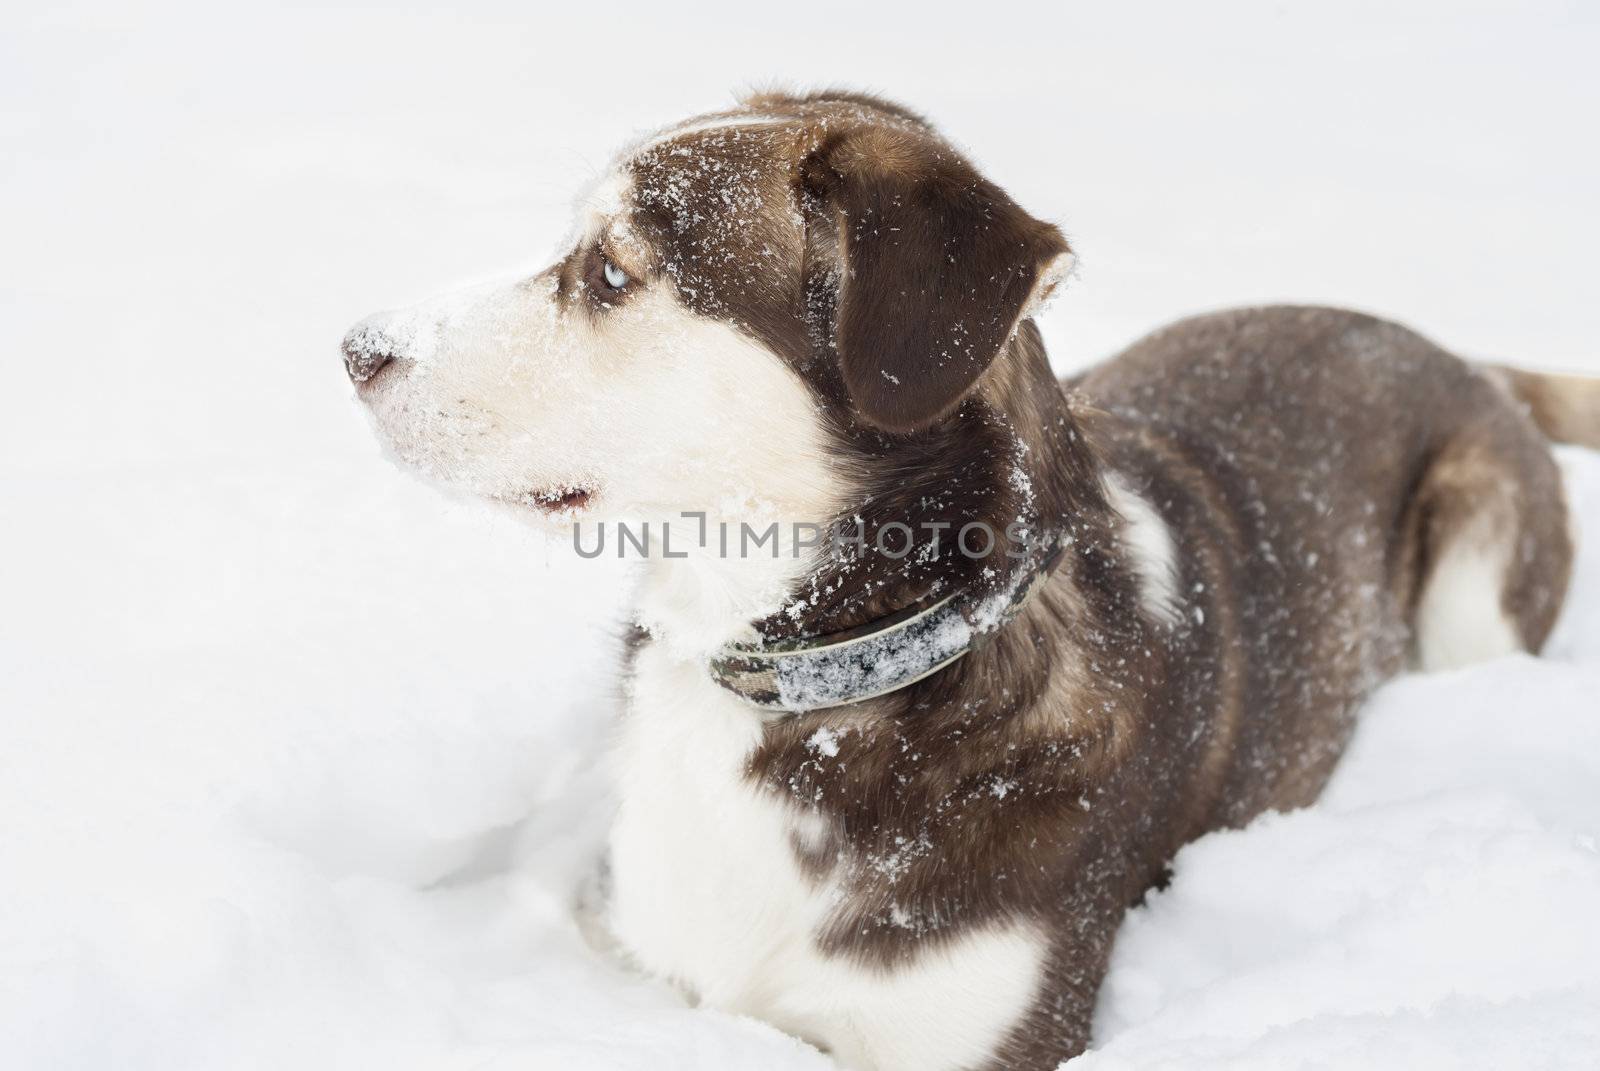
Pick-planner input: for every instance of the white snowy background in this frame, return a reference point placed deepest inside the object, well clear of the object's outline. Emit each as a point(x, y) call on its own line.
point(299, 761)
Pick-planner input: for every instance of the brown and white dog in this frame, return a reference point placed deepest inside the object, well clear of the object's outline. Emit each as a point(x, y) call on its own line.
point(810, 308)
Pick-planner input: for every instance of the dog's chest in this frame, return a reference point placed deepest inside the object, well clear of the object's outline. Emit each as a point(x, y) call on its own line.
point(708, 891)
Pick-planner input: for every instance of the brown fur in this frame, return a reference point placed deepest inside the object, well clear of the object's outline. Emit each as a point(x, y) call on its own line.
point(1311, 464)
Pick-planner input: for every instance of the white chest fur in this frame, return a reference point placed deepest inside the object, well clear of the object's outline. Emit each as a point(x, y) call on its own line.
point(707, 892)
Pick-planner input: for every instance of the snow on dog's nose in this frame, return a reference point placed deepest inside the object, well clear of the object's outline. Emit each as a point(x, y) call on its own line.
point(417, 334)
point(367, 349)
point(407, 335)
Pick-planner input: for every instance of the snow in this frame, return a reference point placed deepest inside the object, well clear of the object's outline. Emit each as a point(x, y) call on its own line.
point(302, 760)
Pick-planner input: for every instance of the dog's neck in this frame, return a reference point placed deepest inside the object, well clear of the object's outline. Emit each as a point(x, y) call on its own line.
point(700, 603)
point(1011, 463)
point(1011, 460)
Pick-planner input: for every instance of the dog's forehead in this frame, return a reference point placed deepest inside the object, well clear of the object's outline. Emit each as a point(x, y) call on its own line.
point(710, 203)
point(714, 166)
point(701, 181)
point(704, 142)
point(711, 123)
point(726, 167)
point(715, 204)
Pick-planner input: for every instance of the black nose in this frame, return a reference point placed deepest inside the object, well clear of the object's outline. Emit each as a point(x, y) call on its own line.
point(366, 351)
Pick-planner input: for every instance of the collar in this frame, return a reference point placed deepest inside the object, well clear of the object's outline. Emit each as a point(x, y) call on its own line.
point(882, 656)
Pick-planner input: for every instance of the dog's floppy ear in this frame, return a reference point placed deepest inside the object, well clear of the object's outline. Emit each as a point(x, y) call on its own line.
point(938, 267)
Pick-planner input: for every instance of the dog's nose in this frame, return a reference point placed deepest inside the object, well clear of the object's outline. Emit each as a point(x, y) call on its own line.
point(366, 351)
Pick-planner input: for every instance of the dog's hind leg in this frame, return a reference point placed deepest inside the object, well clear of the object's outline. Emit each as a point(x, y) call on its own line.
point(1490, 534)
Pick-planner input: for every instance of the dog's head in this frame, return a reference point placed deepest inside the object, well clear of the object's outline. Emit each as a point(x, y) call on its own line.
point(746, 290)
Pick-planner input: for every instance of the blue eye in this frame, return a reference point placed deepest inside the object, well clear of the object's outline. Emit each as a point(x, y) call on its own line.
point(615, 277)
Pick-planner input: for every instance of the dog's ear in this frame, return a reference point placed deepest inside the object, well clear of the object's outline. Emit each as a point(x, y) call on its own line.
point(938, 266)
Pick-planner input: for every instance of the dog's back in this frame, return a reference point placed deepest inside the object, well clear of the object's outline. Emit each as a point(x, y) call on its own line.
point(1344, 494)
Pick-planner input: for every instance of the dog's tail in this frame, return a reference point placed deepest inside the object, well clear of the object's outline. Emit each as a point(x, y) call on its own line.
point(1566, 408)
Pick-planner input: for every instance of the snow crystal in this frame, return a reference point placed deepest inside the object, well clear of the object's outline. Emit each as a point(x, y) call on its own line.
point(824, 741)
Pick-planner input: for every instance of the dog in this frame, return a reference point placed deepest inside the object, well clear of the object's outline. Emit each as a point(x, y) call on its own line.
point(897, 803)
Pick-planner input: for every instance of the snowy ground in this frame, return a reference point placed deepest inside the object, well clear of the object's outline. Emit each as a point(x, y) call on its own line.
point(299, 762)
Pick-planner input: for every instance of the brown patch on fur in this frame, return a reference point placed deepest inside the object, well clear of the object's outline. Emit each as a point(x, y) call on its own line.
point(1207, 583)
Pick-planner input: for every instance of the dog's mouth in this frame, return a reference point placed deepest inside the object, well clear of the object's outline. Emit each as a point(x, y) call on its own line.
point(558, 501)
